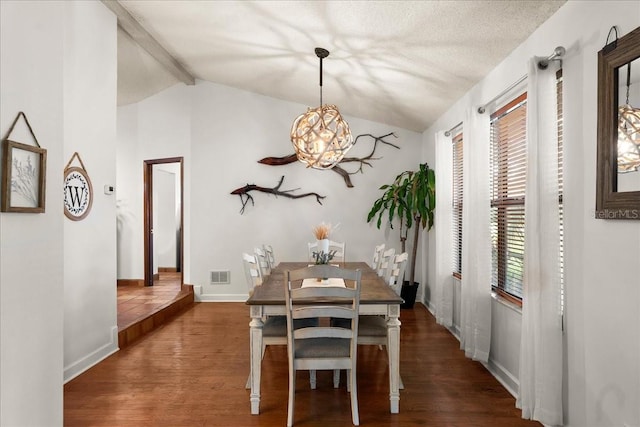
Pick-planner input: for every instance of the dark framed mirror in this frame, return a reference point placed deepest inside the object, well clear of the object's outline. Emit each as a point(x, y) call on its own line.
point(618, 174)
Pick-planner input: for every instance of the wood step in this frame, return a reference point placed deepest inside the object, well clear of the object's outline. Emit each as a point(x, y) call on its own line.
point(182, 302)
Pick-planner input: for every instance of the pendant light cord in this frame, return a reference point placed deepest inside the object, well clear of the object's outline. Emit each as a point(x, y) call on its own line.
point(321, 83)
point(321, 53)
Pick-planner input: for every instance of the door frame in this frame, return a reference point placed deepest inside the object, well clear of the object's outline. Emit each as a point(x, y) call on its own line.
point(148, 217)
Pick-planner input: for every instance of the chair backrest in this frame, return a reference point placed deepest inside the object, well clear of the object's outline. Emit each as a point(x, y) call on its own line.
point(263, 262)
point(271, 259)
point(386, 259)
point(396, 272)
point(336, 302)
point(377, 254)
point(339, 247)
point(251, 271)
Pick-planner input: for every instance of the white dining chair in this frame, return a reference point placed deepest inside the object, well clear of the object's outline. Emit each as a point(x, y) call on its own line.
point(251, 271)
point(386, 259)
point(274, 328)
point(373, 329)
point(377, 255)
point(396, 272)
point(271, 259)
point(322, 347)
point(263, 262)
point(338, 247)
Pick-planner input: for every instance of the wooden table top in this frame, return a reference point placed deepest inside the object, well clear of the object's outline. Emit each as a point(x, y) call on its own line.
point(374, 290)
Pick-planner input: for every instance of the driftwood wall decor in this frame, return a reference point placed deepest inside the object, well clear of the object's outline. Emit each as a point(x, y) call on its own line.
point(245, 197)
point(346, 175)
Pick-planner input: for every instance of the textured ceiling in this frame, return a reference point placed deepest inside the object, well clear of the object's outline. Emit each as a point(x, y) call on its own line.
point(402, 63)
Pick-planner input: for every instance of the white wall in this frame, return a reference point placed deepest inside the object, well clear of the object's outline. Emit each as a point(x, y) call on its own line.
point(129, 191)
point(57, 64)
point(230, 130)
point(158, 127)
point(602, 339)
point(31, 245)
point(90, 75)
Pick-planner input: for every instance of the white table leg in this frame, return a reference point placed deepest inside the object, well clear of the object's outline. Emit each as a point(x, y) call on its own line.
point(255, 338)
point(393, 345)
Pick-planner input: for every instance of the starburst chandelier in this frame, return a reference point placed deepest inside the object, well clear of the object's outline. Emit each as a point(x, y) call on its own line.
point(321, 137)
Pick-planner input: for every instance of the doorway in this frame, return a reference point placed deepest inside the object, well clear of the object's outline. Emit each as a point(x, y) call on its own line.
point(163, 218)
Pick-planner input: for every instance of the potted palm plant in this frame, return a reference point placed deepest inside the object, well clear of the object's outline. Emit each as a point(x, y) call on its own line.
point(411, 199)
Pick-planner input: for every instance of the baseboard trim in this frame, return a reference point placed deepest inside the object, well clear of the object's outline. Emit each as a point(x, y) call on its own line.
point(455, 331)
point(508, 380)
point(167, 269)
point(130, 282)
point(92, 359)
point(220, 297)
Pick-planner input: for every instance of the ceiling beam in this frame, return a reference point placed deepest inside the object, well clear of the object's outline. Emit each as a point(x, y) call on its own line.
point(141, 36)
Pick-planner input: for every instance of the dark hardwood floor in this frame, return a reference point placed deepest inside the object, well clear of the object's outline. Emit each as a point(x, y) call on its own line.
point(192, 371)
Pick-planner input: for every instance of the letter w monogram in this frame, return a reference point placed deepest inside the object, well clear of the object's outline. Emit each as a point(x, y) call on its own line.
point(76, 194)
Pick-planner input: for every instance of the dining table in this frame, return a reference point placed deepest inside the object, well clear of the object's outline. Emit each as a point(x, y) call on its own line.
point(376, 298)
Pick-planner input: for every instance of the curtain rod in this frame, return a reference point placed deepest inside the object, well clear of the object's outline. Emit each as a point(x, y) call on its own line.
point(448, 132)
point(557, 55)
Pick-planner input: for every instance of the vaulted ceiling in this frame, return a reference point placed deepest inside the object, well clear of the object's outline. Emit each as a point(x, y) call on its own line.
point(402, 63)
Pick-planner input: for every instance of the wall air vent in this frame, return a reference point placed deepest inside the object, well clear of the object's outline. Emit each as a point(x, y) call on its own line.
point(220, 277)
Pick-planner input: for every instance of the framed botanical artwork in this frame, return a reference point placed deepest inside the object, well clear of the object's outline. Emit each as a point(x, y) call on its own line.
point(23, 177)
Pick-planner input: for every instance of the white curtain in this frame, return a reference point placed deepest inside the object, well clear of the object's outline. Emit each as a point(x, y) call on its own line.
point(443, 292)
point(475, 314)
point(540, 394)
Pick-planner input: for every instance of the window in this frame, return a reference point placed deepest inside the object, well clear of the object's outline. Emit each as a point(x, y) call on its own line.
point(457, 205)
point(507, 173)
point(508, 179)
point(561, 183)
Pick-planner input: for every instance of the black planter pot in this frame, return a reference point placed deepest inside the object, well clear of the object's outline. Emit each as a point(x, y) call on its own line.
point(408, 294)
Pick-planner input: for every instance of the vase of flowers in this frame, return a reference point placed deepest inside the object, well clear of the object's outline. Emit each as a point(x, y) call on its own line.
point(322, 255)
point(322, 233)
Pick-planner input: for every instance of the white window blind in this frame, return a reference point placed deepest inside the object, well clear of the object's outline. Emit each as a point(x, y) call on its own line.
point(508, 177)
point(457, 192)
point(561, 182)
point(508, 174)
